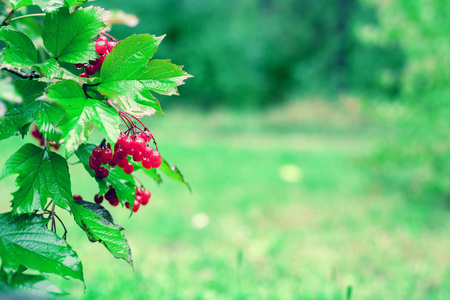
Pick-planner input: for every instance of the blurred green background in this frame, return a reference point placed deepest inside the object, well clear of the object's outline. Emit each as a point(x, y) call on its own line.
point(315, 136)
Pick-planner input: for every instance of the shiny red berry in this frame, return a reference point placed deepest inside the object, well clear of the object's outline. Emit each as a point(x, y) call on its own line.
point(101, 47)
point(137, 156)
point(98, 199)
point(114, 201)
point(111, 45)
point(145, 197)
point(97, 152)
point(136, 206)
point(102, 172)
point(155, 158)
point(139, 143)
point(107, 154)
point(91, 69)
point(77, 197)
point(102, 38)
point(84, 75)
point(127, 205)
point(128, 169)
point(147, 164)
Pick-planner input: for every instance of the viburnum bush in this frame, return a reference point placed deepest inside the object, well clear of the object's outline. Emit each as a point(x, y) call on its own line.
point(62, 75)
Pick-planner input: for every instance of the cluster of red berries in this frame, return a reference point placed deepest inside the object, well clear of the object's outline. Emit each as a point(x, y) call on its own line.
point(103, 46)
point(141, 197)
point(100, 156)
point(135, 146)
point(37, 135)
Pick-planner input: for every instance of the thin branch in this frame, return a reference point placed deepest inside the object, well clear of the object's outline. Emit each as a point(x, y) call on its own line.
point(111, 37)
point(21, 74)
point(27, 16)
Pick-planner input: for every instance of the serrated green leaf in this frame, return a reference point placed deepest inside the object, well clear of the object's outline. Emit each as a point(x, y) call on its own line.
point(42, 174)
point(127, 75)
point(173, 172)
point(24, 241)
point(45, 5)
point(30, 89)
point(48, 116)
point(99, 226)
point(16, 117)
point(50, 68)
point(82, 114)
point(68, 36)
point(118, 179)
point(20, 51)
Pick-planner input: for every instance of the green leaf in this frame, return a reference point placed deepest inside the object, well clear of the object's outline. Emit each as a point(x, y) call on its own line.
point(127, 75)
point(48, 116)
point(42, 174)
point(50, 68)
point(118, 179)
point(173, 172)
point(20, 51)
point(34, 286)
point(68, 36)
point(72, 3)
point(24, 241)
point(30, 89)
point(45, 5)
point(82, 114)
point(16, 117)
point(99, 226)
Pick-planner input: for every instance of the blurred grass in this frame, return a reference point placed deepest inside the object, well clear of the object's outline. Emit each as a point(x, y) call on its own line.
point(293, 214)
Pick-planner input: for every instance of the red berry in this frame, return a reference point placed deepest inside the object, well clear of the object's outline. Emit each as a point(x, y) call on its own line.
point(97, 152)
point(77, 197)
point(101, 47)
point(107, 154)
point(155, 158)
point(102, 38)
point(147, 164)
point(120, 154)
point(84, 75)
point(94, 163)
point(127, 143)
point(146, 135)
point(157, 164)
point(111, 45)
point(128, 169)
point(102, 172)
point(137, 156)
point(147, 152)
point(98, 199)
point(113, 162)
point(110, 194)
point(114, 201)
point(91, 69)
point(122, 163)
point(79, 66)
point(139, 143)
point(145, 197)
point(136, 206)
point(127, 205)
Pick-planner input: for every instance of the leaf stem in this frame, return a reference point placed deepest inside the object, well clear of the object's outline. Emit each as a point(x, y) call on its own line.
point(53, 218)
point(27, 16)
point(7, 19)
point(138, 180)
point(65, 230)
